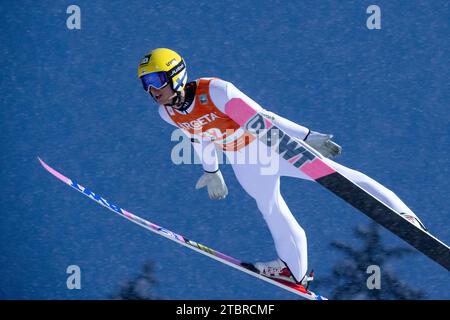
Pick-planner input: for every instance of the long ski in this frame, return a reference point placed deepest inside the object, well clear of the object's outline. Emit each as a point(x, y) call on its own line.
point(216, 255)
point(309, 161)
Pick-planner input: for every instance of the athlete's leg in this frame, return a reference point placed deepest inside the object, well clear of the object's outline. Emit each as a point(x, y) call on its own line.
point(289, 237)
point(370, 185)
point(373, 187)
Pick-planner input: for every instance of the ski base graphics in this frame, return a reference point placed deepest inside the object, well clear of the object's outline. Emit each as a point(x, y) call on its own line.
point(216, 255)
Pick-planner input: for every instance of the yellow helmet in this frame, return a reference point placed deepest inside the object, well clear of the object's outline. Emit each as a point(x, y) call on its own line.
point(161, 67)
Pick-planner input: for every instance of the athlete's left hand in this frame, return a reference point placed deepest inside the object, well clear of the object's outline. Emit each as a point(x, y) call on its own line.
point(322, 143)
point(217, 189)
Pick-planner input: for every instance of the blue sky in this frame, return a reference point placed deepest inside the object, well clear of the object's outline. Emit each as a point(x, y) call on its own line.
point(72, 97)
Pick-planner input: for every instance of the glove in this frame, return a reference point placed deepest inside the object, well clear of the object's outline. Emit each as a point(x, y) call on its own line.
point(217, 189)
point(322, 143)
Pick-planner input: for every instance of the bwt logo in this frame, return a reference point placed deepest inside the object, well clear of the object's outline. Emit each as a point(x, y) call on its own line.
point(94, 197)
point(255, 124)
point(285, 146)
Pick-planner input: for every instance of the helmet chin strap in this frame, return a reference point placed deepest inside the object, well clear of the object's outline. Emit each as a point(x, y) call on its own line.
point(176, 100)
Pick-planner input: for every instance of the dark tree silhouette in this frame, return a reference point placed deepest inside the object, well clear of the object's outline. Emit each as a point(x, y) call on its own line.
point(349, 277)
point(139, 288)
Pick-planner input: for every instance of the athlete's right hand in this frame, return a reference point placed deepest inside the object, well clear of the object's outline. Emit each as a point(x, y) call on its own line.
point(217, 189)
point(323, 143)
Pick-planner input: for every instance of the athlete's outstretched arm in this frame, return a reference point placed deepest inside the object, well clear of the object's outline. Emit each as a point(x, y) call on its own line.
point(320, 142)
point(206, 151)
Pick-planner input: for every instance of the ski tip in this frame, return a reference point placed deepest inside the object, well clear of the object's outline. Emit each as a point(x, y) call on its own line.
point(42, 162)
point(54, 172)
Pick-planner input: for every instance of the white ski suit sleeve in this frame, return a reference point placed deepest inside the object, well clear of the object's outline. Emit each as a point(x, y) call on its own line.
point(222, 91)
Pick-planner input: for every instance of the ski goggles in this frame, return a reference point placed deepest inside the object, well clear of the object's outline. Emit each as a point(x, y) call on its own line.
point(157, 80)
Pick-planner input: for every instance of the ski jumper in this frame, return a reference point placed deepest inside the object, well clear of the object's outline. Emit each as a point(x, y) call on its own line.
point(206, 120)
